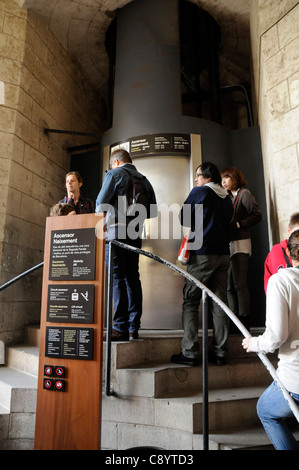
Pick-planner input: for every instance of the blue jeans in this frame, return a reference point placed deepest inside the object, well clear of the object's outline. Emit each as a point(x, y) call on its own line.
point(273, 409)
point(127, 291)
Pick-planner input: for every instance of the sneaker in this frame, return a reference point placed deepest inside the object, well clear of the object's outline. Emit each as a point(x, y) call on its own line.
point(118, 335)
point(186, 361)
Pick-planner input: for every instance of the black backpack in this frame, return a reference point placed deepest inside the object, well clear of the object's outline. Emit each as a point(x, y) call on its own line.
point(136, 193)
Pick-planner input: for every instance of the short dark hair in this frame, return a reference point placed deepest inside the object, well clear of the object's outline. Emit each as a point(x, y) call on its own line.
point(294, 220)
point(210, 170)
point(75, 173)
point(120, 154)
point(293, 245)
point(61, 208)
point(236, 175)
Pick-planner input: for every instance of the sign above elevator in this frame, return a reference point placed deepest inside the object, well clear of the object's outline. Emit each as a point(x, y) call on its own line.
point(156, 144)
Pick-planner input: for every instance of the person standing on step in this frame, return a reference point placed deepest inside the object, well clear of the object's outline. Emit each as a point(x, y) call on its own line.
point(127, 289)
point(81, 204)
point(246, 214)
point(208, 262)
point(282, 331)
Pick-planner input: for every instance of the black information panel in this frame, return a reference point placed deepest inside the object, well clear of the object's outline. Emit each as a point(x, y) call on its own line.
point(156, 144)
point(70, 303)
point(69, 343)
point(72, 255)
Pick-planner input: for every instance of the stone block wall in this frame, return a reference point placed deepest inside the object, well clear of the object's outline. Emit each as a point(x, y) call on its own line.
point(275, 39)
point(40, 86)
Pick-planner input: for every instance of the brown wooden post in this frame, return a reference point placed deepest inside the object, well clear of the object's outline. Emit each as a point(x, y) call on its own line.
point(69, 394)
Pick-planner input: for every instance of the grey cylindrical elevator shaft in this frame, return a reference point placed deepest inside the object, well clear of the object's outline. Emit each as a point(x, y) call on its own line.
point(147, 71)
point(147, 100)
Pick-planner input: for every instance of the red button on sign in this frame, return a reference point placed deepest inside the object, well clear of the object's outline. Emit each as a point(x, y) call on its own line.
point(48, 371)
point(59, 371)
point(48, 384)
point(59, 385)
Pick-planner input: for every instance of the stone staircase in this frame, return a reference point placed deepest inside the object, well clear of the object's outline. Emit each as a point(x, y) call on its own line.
point(18, 389)
point(154, 403)
point(157, 403)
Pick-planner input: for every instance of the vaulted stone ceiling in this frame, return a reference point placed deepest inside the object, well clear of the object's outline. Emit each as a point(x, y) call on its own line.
point(81, 25)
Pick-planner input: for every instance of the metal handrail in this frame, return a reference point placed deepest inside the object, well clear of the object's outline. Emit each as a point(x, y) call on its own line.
point(13, 280)
point(205, 292)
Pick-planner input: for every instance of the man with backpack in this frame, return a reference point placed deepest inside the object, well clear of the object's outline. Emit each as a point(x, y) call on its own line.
point(127, 198)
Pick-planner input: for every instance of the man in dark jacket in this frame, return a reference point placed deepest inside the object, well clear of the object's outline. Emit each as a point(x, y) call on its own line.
point(209, 262)
point(127, 290)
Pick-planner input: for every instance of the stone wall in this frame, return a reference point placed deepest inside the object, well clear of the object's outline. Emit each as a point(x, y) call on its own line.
point(40, 86)
point(275, 45)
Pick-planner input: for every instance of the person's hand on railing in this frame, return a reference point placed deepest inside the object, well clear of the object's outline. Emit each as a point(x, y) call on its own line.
point(246, 344)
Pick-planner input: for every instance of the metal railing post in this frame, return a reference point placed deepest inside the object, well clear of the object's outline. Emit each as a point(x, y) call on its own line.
point(205, 378)
point(109, 392)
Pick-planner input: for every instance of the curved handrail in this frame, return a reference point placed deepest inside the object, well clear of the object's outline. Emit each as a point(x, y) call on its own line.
point(293, 406)
point(13, 280)
point(205, 291)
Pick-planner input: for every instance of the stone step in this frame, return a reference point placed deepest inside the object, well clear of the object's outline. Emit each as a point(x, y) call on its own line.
point(160, 380)
point(126, 435)
point(18, 391)
point(17, 444)
point(158, 346)
point(32, 335)
point(176, 423)
point(141, 370)
point(150, 406)
point(139, 436)
point(253, 438)
point(3, 411)
point(23, 358)
point(228, 408)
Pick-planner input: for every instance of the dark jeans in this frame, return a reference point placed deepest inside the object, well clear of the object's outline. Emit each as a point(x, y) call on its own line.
point(211, 270)
point(237, 289)
point(127, 291)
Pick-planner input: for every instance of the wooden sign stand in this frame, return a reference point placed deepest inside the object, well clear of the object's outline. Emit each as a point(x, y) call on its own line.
point(69, 394)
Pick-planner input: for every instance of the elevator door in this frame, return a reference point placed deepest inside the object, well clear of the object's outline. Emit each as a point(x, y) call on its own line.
point(162, 287)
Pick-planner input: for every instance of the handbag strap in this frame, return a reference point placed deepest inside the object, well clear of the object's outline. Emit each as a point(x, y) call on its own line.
point(235, 203)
